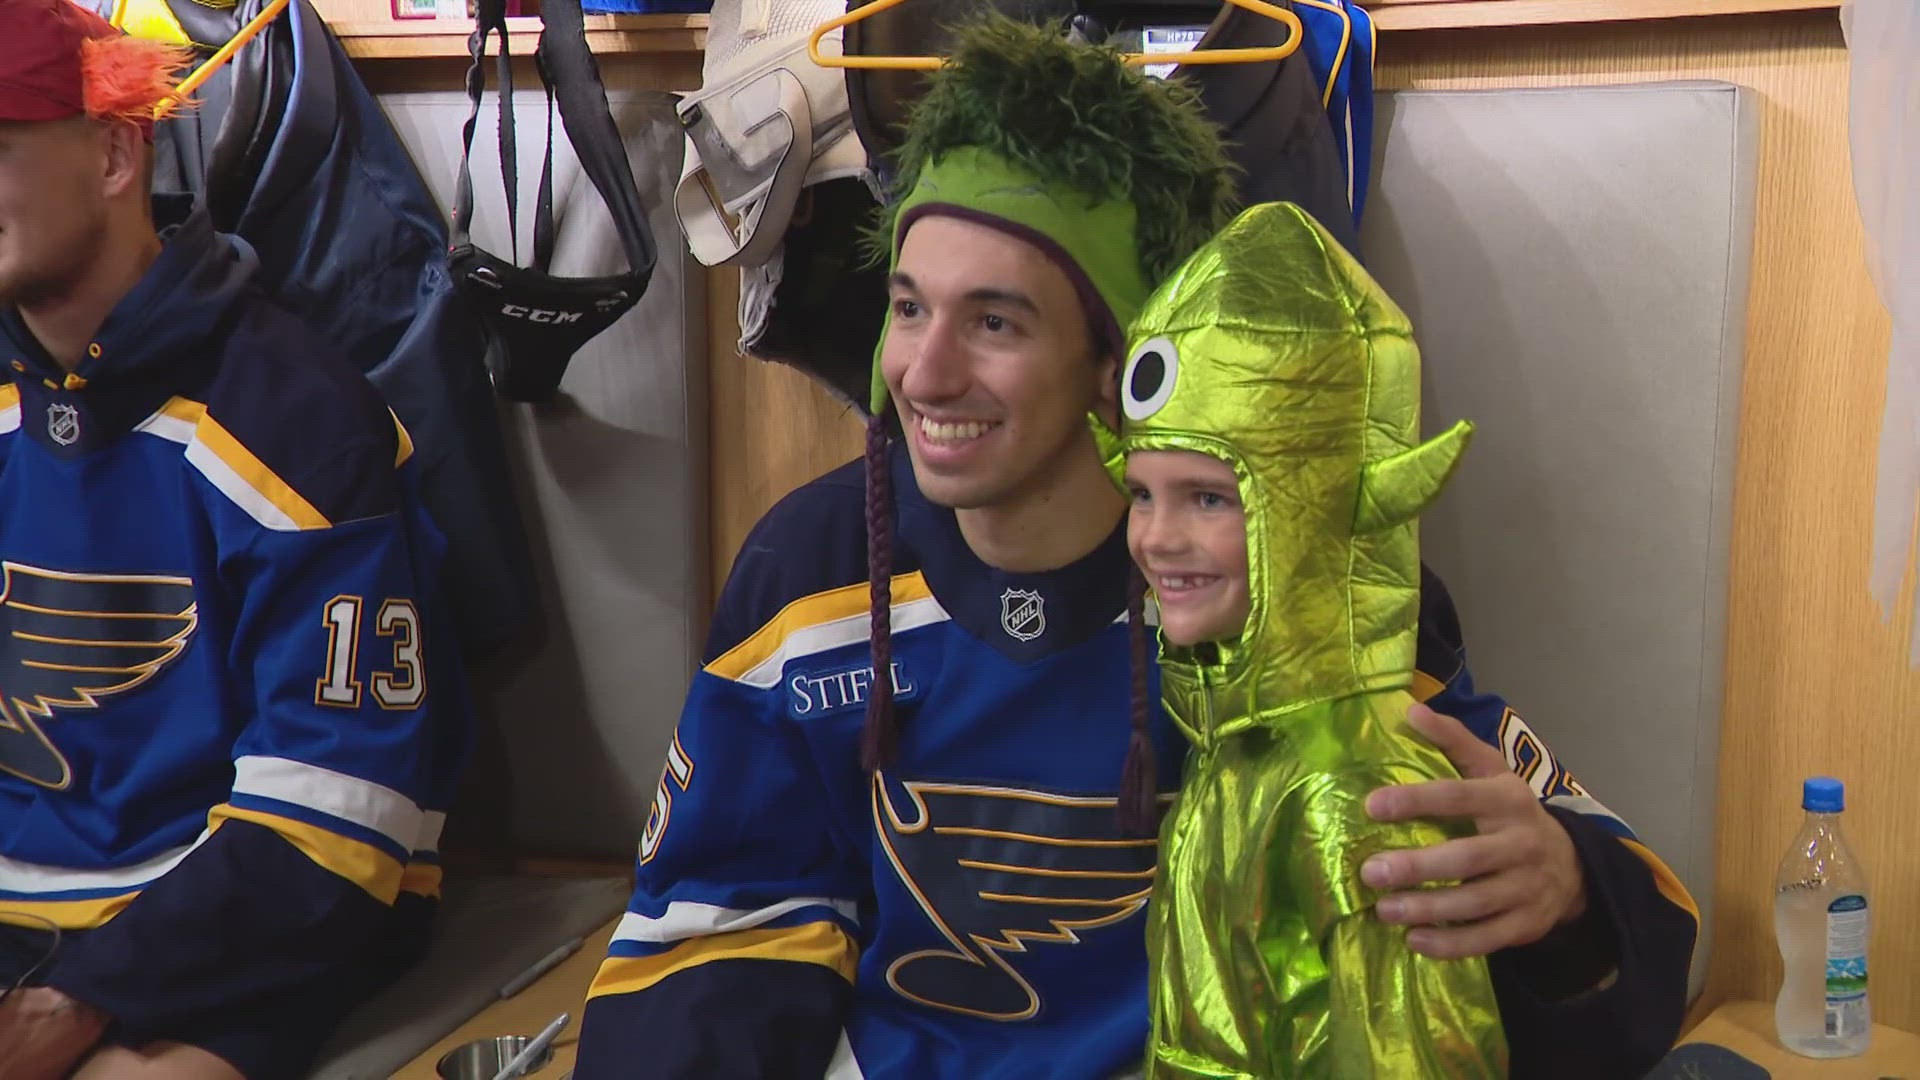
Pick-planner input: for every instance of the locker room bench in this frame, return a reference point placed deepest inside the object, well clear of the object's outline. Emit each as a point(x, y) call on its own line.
point(564, 989)
point(490, 930)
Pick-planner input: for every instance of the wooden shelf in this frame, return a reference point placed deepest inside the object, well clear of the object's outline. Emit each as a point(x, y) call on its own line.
point(367, 35)
point(1444, 14)
point(388, 39)
point(1746, 1028)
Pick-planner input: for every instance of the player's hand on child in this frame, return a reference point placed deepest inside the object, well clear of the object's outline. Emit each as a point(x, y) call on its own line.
point(1518, 878)
point(44, 1033)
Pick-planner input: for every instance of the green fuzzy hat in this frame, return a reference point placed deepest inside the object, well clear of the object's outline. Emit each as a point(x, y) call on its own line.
point(1116, 175)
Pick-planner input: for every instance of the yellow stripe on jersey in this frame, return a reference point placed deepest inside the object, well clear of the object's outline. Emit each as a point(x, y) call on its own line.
point(421, 879)
point(255, 474)
point(809, 611)
point(66, 914)
point(821, 943)
point(193, 412)
point(9, 397)
point(1665, 879)
point(1425, 686)
point(184, 409)
point(1340, 54)
point(356, 860)
point(406, 440)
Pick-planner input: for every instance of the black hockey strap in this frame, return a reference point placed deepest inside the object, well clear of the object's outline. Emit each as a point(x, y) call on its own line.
point(535, 321)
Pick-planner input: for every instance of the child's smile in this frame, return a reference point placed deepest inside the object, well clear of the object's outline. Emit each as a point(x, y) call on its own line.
point(1188, 532)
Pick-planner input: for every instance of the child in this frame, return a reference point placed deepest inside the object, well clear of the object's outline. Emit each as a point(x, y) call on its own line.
point(1272, 411)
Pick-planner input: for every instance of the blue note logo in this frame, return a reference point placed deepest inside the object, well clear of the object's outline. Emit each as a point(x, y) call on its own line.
point(69, 640)
point(1005, 877)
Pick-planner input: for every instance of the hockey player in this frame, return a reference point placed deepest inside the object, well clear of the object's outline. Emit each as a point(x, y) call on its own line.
point(889, 847)
point(227, 738)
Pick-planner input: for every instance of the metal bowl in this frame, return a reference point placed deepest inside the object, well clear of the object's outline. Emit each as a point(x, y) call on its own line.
point(483, 1058)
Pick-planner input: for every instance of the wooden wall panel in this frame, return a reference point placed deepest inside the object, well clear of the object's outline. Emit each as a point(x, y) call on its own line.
point(1817, 682)
point(771, 429)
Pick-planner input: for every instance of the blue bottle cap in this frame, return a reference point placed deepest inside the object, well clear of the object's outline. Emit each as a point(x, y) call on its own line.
point(1823, 795)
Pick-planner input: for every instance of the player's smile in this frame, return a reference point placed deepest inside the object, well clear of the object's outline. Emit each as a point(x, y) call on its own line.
point(949, 441)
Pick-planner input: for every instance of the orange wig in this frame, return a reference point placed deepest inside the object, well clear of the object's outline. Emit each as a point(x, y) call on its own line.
point(131, 79)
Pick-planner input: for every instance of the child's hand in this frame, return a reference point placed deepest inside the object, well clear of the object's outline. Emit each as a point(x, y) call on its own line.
point(1519, 878)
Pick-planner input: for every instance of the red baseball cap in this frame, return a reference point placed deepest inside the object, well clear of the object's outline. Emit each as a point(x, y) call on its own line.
point(58, 60)
point(41, 73)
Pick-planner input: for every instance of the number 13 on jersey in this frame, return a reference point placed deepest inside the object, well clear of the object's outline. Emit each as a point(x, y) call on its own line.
point(403, 686)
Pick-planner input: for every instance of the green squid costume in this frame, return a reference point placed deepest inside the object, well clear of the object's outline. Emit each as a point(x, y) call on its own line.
point(1272, 350)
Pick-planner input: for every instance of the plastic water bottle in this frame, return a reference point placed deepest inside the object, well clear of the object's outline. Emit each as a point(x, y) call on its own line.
point(1820, 920)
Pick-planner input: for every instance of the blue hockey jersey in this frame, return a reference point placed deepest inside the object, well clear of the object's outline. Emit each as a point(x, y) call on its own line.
point(228, 739)
point(1339, 47)
point(973, 911)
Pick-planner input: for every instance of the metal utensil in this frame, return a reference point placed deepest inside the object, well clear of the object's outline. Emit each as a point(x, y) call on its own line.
point(481, 1058)
point(518, 1066)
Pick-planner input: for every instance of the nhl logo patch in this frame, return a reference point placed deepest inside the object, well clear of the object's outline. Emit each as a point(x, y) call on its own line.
point(1023, 614)
point(63, 424)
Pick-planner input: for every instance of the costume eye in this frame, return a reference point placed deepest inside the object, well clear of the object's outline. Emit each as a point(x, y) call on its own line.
point(1148, 380)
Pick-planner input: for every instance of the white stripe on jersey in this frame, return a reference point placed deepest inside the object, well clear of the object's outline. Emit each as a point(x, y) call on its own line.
point(831, 635)
point(170, 428)
point(221, 475)
point(349, 798)
point(235, 487)
point(843, 1067)
point(26, 877)
point(431, 824)
point(684, 919)
point(1586, 804)
point(10, 418)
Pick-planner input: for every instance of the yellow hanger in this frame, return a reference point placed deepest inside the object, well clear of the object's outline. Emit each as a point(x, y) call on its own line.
point(212, 63)
point(221, 55)
point(927, 63)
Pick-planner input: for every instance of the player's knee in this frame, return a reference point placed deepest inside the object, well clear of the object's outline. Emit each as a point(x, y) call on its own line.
point(155, 1061)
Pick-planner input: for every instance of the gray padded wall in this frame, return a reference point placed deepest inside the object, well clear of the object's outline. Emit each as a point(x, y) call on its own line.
point(1575, 265)
point(611, 483)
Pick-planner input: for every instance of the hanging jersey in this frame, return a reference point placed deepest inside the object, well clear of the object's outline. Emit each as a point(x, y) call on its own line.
point(1339, 47)
point(297, 157)
point(1273, 123)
